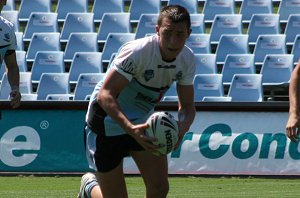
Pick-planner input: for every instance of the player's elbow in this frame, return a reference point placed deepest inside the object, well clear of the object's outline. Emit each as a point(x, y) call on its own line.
point(101, 98)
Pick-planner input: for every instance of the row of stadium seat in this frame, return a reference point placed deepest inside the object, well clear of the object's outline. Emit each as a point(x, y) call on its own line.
point(223, 24)
point(209, 87)
point(120, 22)
point(55, 86)
point(136, 7)
point(199, 43)
point(53, 62)
point(276, 68)
point(52, 83)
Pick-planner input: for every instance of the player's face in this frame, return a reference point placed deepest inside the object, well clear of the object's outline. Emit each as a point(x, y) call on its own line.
point(172, 37)
point(2, 3)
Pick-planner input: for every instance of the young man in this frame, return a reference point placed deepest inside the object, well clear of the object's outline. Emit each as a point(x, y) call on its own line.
point(140, 74)
point(8, 46)
point(293, 123)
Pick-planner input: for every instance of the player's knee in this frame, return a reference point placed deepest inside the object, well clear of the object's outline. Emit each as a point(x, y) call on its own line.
point(158, 190)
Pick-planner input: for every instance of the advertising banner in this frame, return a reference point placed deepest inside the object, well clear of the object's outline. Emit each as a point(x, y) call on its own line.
point(218, 142)
point(42, 141)
point(243, 143)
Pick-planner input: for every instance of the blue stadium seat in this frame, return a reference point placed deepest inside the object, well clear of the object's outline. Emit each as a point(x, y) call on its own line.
point(199, 43)
point(231, 44)
point(250, 7)
point(113, 42)
point(60, 97)
point(113, 23)
point(13, 17)
point(77, 22)
point(40, 22)
point(206, 63)
point(225, 24)
point(10, 5)
point(21, 61)
point(246, 88)
point(65, 6)
point(85, 62)
point(296, 49)
point(190, 5)
point(207, 85)
point(111, 6)
point(276, 70)
point(86, 84)
point(263, 24)
point(217, 99)
point(214, 7)
point(80, 42)
point(146, 25)
point(237, 64)
point(29, 6)
point(25, 85)
point(29, 97)
point(139, 7)
point(25, 82)
point(53, 83)
point(20, 43)
point(170, 99)
point(197, 23)
point(292, 28)
point(286, 8)
point(48, 41)
point(47, 62)
point(269, 44)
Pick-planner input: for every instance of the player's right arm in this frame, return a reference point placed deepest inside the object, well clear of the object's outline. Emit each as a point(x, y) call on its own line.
point(107, 99)
point(293, 122)
point(13, 76)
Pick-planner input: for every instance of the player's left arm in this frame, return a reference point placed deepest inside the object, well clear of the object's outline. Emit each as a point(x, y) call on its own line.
point(13, 76)
point(186, 108)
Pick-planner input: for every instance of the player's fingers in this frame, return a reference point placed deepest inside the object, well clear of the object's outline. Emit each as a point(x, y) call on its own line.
point(149, 146)
point(292, 133)
point(144, 126)
point(15, 102)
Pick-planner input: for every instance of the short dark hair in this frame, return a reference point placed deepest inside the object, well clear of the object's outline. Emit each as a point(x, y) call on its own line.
point(176, 13)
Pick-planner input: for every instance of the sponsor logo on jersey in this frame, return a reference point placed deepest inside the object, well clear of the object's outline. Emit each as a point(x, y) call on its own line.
point(166, 66)
point(127, 66)
point(148, 74)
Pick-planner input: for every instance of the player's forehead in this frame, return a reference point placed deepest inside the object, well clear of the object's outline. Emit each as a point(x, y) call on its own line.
point(168, 24)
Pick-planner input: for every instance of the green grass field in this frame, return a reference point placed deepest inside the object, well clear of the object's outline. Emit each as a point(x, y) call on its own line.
point(187, 187)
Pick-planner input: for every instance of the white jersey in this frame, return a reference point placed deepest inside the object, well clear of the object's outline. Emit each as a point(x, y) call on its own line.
point(7, 38)
point(150, 77)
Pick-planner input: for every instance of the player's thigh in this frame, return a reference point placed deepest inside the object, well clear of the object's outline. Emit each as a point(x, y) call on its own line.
point(154, 169)
point(112, 180)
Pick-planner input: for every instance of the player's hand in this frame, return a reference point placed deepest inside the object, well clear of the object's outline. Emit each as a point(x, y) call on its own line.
point(292, 128)
point(138, 133)
point(15, 98)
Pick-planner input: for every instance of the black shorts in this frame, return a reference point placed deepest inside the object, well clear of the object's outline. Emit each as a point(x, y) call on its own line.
point(110, 150)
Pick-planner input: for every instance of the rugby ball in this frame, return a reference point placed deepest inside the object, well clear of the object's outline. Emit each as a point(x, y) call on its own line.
point(164, 127)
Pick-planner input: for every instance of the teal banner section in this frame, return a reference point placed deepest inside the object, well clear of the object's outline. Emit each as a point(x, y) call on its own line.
point(42, 141)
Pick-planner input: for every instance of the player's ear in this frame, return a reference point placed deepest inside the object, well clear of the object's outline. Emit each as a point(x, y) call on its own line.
point(157, 29)
point(189, 33)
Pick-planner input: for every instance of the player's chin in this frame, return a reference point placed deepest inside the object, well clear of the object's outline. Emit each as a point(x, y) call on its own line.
point(172, 54)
